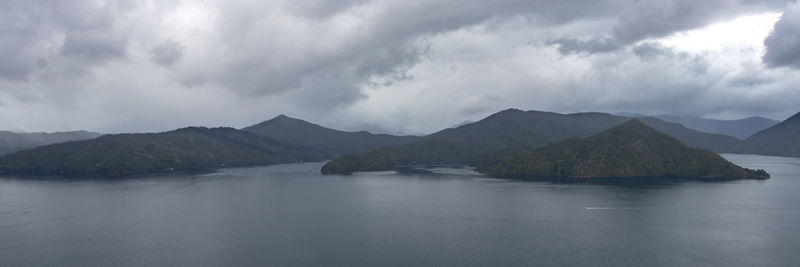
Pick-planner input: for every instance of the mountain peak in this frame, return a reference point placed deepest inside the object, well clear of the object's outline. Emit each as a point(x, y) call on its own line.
point(284, 120)
point(779, 140)
point(282, 117)
point(507, 113)
point(306, 134)
point(795, 117)
point(634, 128)
point(510, 111)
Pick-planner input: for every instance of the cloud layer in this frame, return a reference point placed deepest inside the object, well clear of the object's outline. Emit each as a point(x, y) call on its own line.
point(783, 43)
point(413, 66)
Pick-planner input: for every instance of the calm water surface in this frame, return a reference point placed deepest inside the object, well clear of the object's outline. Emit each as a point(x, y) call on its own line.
point(291, 215)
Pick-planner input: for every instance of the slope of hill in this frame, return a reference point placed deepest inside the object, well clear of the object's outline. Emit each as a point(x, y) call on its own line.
point(742, 128)
point(302, 133)
point(631, 149)
point(182, 149)
point(715, 142)
point(782, 139)
point(12, 142)
point(506, 132)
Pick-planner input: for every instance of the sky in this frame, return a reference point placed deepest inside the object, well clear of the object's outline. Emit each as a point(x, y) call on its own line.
point(404, 66)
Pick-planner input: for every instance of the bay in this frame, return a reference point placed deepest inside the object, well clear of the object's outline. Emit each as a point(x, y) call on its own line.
point(290, 215)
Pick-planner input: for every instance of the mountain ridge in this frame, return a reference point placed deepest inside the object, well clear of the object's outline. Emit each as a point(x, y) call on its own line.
point(188, 148)
point(302, 133)
point(507, 131)
point(631, 149)
point(17, 141)
point(739, 128)
point(783, 139)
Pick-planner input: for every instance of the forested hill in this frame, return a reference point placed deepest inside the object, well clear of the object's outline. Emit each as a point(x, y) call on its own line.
point(631, 149)
point(182, 149)
point(507, 132)
point(303, 133)
point(12, 142)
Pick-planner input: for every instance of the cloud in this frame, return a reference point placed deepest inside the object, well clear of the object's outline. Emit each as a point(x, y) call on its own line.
point(414, 65)
point(651, 50)
point(167, 53)
point(34, 32)
point(477, 71)
point(94, 46)
point(783, 43)
point(640, 20)
point(593, 45)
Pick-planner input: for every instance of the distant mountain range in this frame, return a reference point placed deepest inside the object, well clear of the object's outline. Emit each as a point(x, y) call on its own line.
point(306, 134)
point(183, 149)
point(12, 142)
point(279, 140)
point(782, 139)
point(506, 132)
point(631, 149)
point(284, 139)
point(741, 128)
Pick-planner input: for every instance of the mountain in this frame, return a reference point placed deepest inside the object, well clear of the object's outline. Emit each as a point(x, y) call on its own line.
point(499, 134)
point(715, 142)
point(630, 114)
point(461, 124)
point(505, 132)
point(302, 133)
point(782, 139)
point(182, 149)
point(375, 129)
point(741, 128)
point(631, 149)
point(12, 142)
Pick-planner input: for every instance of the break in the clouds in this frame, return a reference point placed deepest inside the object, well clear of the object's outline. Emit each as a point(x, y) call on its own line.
point(412, 66)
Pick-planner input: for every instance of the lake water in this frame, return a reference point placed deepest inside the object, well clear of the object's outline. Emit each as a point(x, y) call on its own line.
point(289, 215)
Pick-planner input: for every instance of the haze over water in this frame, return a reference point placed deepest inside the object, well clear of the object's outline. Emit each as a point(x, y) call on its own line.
point(292, 215)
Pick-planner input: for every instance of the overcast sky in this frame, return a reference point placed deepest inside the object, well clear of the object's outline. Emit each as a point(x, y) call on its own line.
point(408, 65)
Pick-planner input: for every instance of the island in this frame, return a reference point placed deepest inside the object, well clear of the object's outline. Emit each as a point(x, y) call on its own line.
point(631, 149)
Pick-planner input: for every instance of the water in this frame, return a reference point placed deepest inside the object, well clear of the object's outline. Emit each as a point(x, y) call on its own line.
point(290, 215)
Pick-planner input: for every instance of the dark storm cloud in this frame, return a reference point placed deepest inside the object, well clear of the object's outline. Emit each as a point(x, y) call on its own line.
point(32, 31)
point(639, 20)
point(651, 50)
point(323, 58)
point(316, 8)
point(383, 45)
point(94, 46)
point(386, 42)
point(167, 53)
point(593, 45)
point(783, 43)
